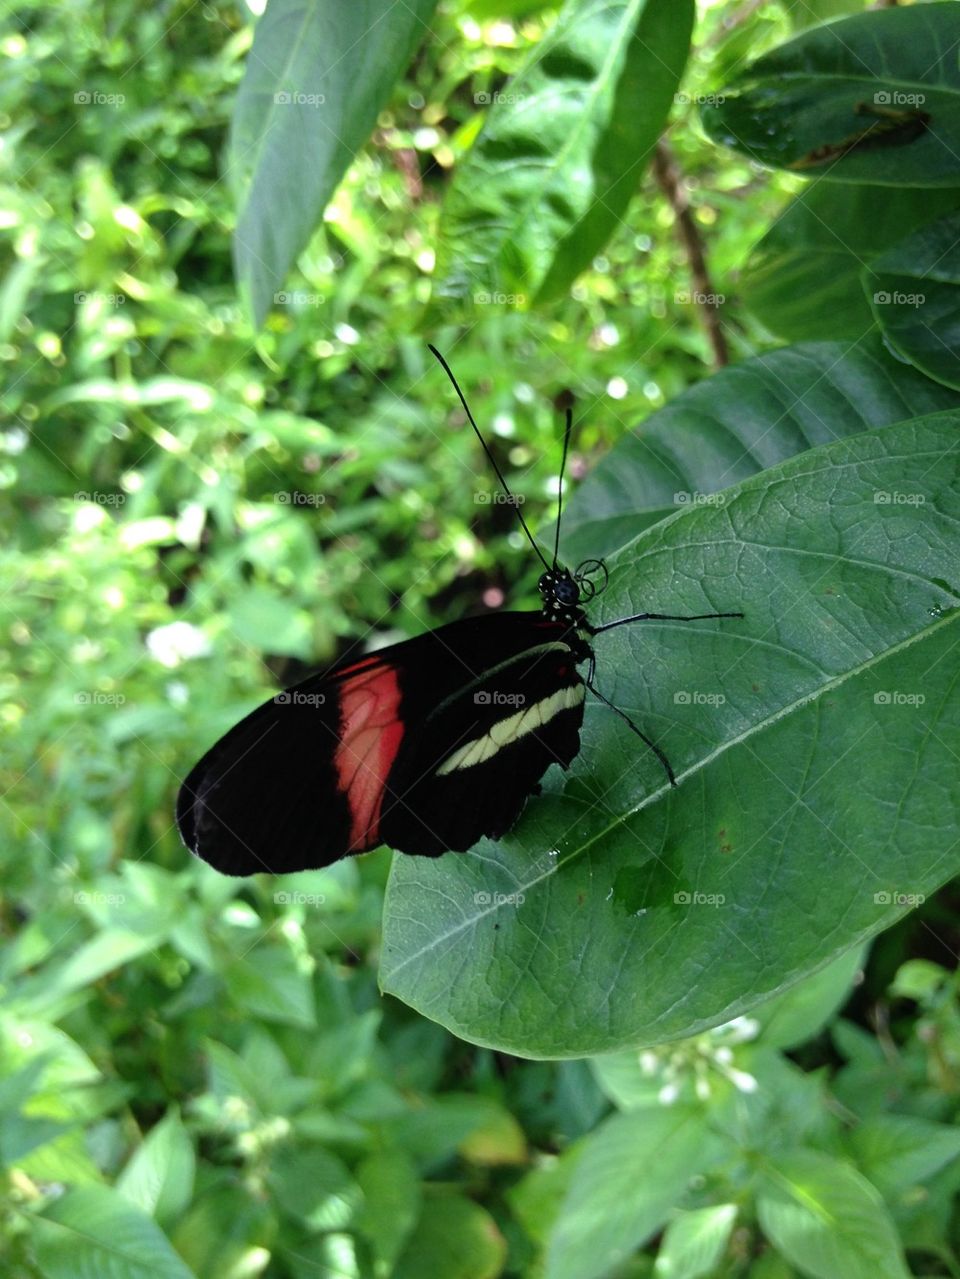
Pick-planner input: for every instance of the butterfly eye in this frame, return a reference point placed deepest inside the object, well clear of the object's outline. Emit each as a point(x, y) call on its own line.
point(566, 591)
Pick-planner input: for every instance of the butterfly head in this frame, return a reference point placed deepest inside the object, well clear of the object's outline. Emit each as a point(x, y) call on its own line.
point(561, 595)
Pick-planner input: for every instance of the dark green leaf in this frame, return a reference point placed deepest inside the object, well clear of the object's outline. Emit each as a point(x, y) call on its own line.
point(269, 981)
point(803, 278)
point(872, 98)
point(391, 1204)
point(743, 419)
point(684, 907)
point(802, 1012)
point(314, 1186)
point(806, 13)
point(913, 289)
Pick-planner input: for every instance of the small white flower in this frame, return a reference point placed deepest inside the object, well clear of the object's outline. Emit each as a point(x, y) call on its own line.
point(177, 642)
point(742, 1081)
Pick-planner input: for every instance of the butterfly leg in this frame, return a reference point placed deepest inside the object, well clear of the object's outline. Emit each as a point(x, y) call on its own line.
point(627, 720)
point(658, 617)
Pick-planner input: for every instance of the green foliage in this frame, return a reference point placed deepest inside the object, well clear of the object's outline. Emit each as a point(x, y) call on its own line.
point(752, 1149)
point(516, 229)
point(202, 1076)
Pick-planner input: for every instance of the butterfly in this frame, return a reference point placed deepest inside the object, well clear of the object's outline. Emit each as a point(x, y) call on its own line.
point(426, 746)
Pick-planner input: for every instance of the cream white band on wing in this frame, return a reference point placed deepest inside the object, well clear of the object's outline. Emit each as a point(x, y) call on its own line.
point(508, 730)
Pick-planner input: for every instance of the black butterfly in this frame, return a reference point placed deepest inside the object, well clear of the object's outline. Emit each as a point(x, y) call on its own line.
point(426, 746)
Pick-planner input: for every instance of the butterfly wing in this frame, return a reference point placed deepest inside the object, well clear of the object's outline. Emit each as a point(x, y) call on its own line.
point(478, 755)
point(352, 758)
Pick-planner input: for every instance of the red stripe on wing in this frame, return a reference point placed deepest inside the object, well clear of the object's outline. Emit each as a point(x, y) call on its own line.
point(370, 736)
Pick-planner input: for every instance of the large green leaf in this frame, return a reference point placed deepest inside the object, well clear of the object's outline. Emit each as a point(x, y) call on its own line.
point(694, 1242)
point(159, 1176)
point(801, 1012)
point(802, 280)
point(897, 1151)
point(391, 1204)
point(872, 98)
point(915, 296)
point(629, 1175)
point(453, 1239)
point(828, 1220)
point(561, 152)
point(95, 1231)
point(317, 74)
point(731, 425)
point(815, 740)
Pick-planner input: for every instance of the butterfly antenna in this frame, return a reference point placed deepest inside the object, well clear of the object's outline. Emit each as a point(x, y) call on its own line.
point(493, 461)
point(563, 466)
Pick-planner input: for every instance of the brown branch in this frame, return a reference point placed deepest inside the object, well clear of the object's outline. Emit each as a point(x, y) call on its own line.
point(705, 296)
